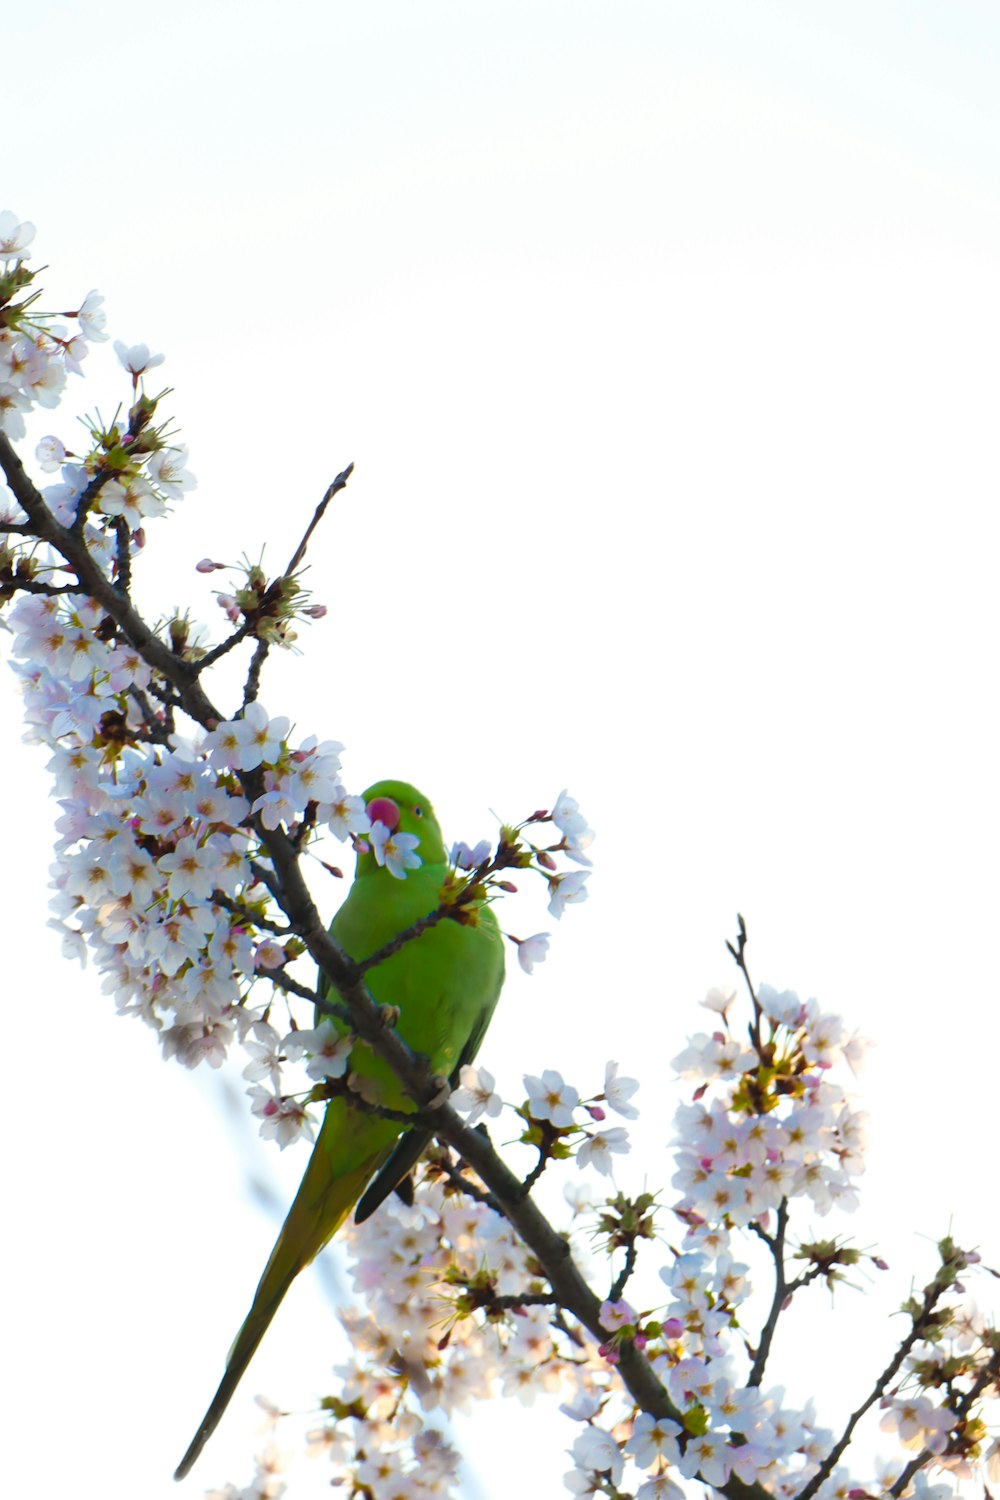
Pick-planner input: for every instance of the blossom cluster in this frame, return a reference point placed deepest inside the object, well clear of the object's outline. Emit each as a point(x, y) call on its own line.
point(36, 352)
point(430, 1338)
point(162, 870)
point(768, 1131)
point(158, 869)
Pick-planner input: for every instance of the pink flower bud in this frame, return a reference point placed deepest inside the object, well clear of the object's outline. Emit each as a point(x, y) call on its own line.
point(673, 1328)
point(596, 1112)
point(315, 611)
point(546, 861)
point(208, 566)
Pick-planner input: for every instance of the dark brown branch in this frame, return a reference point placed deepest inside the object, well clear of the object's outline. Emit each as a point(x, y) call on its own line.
point(252, 687)
point(776, 1244)
point(511, 1301)
point(217, 652)
point(739, 954)
point(157, 732)
point(123, 538)
point(300, 551)
point(95, 487)
point(35, 586)
point(432, 918)
point(450, 908)
point(622, 1279)
point(283, 981)
point(458, 1180)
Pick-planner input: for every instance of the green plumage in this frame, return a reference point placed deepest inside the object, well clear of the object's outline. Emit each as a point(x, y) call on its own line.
point(445, 983)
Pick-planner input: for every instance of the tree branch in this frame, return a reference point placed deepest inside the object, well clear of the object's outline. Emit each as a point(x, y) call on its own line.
point(776, 1244)
point(932, 1294)
point(300, 551)
point(292, 894)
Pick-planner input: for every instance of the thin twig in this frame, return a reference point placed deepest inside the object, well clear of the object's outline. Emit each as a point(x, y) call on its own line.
point(776, 1244)
point(217, 652)
point(93, 489)
point(458, 1180)
point(283, 981)
point(932, 1294)
point(157, 731)
point(300, 551)
point(511, 1301)
point(739, 954)
point(123, 538)
point(528, 1182)
point(238, 909)
point(363, 965)
point(252, 687)
point(622, 1279)
point(450, 908)
point(35, 586)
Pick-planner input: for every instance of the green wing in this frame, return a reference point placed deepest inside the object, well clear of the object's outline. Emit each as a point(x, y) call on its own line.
point(413, 1143)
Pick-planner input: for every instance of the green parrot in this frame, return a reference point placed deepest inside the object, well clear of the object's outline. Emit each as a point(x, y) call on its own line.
point(446, 984)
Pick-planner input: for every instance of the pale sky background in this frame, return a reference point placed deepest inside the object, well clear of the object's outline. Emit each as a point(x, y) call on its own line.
point(664, 338)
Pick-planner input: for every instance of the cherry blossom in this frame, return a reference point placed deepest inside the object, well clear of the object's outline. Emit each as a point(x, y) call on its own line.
point(136, 358)
point(600, 1146)
point(14, 236)
point(549, 1098)
point(618, 1092)
point(396, 851)
point(532, 950)
point(475, 1095)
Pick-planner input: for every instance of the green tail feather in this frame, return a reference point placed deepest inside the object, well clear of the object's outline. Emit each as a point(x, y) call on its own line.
point(312, 1220)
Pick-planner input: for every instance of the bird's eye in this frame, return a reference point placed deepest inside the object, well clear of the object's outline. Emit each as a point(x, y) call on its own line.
point(418, 812)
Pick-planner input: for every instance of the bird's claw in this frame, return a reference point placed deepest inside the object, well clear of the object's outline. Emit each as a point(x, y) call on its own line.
point(442, 1092)
point(388, 1016)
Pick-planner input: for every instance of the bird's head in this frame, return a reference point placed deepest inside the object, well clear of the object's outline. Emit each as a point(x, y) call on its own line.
point(402, 809)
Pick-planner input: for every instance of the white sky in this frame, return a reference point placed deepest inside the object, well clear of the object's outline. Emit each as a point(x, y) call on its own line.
point(664, 339)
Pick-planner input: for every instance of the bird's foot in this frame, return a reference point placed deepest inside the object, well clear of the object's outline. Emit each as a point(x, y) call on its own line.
point(442, 1094)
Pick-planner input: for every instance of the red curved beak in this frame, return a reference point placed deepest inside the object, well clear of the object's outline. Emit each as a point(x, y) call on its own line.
point(383, 810)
